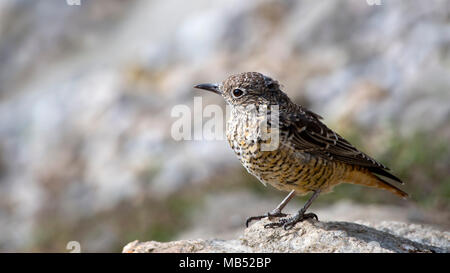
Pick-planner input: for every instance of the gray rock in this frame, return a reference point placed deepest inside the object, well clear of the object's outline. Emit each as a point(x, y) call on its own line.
point(314, 236)
point(222, 215)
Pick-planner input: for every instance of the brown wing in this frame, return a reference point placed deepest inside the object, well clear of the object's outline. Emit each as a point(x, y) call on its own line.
point(309, 134)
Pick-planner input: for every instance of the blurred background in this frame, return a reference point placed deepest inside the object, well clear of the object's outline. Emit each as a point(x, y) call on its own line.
point(86, 94)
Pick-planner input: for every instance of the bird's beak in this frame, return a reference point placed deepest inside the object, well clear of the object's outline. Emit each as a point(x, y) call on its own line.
point(213, 87)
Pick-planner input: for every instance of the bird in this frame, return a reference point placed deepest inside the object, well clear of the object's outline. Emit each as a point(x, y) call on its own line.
point(308, 157)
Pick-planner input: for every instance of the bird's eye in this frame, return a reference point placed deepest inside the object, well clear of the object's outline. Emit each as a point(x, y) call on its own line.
point(237, 93)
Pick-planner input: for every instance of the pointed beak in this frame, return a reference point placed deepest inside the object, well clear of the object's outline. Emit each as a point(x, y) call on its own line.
point(213, 87)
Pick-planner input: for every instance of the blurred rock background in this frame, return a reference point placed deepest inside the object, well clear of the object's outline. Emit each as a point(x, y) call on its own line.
point(86, 94)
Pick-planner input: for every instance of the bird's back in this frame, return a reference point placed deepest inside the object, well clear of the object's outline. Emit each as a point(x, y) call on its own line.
point(309, 155)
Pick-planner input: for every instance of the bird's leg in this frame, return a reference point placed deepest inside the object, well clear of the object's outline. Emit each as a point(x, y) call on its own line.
point(288, 223)
point(276, 212)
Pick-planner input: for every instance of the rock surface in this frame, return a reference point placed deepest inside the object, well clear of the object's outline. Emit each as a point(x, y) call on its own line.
point(236, 206)
point(314, 236)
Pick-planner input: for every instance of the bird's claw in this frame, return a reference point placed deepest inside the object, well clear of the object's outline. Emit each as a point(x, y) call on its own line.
point(270, 215)
point(288, 223)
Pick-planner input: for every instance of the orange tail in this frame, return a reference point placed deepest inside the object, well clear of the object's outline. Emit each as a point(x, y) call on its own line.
point(366, 178)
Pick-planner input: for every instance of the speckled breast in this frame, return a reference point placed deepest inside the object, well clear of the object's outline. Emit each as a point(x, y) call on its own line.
point(284, 168)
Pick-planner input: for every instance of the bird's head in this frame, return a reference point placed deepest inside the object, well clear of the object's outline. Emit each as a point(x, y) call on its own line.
point(245, 89)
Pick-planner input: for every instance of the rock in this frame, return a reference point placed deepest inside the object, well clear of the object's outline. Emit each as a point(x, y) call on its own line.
point(236, 206)
point(186, 246)
point(314, 236)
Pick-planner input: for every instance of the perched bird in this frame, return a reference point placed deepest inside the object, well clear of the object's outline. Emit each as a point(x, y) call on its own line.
point(309, 157)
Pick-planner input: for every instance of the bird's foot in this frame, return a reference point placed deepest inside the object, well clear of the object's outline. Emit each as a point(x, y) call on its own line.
point(270, 215)
point(288, 223)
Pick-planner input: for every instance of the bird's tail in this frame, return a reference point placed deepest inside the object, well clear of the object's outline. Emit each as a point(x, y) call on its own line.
point(366, 178)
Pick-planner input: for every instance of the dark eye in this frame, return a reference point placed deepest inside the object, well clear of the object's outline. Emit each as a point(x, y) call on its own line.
point(237, 93)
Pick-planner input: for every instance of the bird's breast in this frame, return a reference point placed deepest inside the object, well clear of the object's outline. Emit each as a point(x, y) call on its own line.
point(285, 168)
point(247, 137)
point(244, 135)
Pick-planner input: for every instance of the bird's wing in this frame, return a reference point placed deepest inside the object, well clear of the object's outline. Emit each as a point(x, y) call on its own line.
point(308, 134)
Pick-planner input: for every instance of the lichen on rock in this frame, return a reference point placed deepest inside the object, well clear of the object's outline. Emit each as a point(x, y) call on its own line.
point(315, 236)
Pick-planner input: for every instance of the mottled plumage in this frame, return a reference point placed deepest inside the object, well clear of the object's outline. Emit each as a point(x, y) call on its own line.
point(310, 157)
